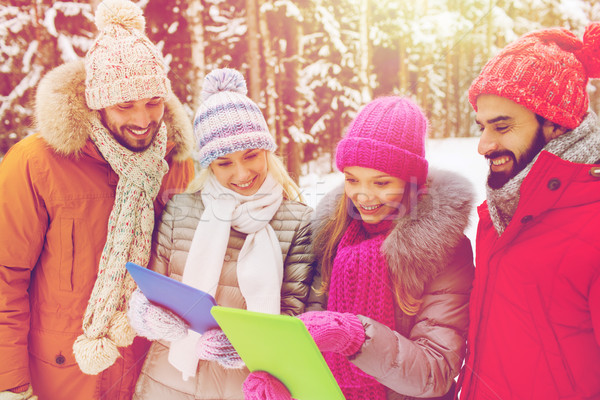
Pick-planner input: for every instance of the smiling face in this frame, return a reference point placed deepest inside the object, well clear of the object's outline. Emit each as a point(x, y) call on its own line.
point(243, 171)
point(134, 124)
point(511, 137)
point(375, 194)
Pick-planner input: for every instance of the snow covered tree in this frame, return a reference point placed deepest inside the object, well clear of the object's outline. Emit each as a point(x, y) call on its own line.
point(34, 38)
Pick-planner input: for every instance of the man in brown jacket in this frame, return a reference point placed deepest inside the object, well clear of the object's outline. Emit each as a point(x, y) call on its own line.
point(79, 200)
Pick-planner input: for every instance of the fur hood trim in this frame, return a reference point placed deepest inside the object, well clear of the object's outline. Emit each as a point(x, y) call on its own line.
point(422, 242)
point(63, 118)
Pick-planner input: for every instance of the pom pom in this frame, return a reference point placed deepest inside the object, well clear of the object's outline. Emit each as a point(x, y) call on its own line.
point(120, 331)
point(120, 12)
point(94, 355)
point(589, 55)
point(223, 80)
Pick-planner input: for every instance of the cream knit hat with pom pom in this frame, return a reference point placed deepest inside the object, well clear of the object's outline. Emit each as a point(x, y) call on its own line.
point(122, 65)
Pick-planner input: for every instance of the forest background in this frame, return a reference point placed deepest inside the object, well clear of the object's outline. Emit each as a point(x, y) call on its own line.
point(309, 64)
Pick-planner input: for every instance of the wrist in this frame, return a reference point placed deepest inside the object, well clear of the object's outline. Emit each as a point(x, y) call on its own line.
point(356, 335)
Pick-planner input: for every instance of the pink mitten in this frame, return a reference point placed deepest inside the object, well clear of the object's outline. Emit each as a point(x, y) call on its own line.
point(341, 333)
point(213, 345)
point(154, 322)
point(261, 385)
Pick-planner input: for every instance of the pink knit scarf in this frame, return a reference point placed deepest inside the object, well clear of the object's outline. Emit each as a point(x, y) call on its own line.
point(360, 284)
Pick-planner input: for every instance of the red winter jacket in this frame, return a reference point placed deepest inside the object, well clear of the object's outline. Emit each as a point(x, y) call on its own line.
point(535, 304)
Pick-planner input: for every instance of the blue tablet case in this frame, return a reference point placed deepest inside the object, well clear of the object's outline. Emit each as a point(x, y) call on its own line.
point(282, 346)
point(191, 304)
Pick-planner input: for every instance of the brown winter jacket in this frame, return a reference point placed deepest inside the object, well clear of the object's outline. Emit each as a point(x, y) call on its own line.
point(159, 379)
point(424, 354)
point(57, 194)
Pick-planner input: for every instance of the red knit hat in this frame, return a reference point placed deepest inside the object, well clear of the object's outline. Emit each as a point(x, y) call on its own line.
point(546, 71)
point(388, 135)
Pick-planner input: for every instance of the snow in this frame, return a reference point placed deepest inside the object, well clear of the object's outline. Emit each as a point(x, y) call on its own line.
point(455, 154)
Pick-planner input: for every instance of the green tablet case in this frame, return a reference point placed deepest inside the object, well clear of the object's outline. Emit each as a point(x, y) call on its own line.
point(282, 346)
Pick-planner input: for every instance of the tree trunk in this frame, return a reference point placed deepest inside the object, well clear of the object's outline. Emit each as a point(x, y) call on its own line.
point(457, 89)
point(490, 29)
point(253, 58)
point(447, 115)
point(403, 69)
point(294, 104)
point(365, 56)
point(270, 64)
point(195, 19)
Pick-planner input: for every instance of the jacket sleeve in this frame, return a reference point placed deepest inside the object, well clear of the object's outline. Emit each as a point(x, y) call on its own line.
point(298, 268)
point(175, 181)
point(24, 221)
point(425, 363)
point(163, 239)
point(317, 301)
point(594, 300)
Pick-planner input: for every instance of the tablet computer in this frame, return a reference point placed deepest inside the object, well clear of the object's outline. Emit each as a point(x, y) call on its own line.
point(281, 346)
point(191, 304)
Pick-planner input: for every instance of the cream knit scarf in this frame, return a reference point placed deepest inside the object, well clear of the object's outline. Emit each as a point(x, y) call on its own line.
point(581, 145)
point(259, 264)
point(129, 237)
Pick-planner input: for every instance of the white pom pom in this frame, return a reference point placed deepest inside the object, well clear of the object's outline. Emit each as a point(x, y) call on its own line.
point(94, 355)
point(120, 12)
point(223, 80)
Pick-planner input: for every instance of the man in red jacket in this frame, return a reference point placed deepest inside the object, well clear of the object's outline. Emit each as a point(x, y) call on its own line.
point(535, 306)
point(79, 200)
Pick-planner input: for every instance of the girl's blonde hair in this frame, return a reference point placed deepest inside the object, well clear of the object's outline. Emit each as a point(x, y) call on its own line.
point(331, 234)
point(275, 166)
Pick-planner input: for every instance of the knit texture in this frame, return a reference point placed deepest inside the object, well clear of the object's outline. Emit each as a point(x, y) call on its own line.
point(214, 346)
point(154, 322)
point(130, 227)
point(261, 385)
point(546, 71)
point(122, 64)
point(227, 120)
point(360, 284)
point(388, 135)
point(341, 333)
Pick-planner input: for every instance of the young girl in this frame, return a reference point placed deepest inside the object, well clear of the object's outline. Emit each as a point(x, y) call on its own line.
point(396, 268)
point(238, 234)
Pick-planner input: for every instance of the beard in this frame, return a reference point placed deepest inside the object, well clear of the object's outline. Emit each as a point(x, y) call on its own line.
point(133, 146)
point(119, 133)
point(498, 179)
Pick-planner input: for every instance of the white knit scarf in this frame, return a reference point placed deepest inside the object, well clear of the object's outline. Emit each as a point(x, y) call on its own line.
point(259, 264)
point(129, 237)
point(581, 145)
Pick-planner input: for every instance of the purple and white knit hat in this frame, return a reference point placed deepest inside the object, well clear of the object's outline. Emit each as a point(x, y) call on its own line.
point(227, 120)
point(123, 65)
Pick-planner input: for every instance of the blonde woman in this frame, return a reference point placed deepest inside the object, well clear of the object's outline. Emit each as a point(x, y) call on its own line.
point(239, 233)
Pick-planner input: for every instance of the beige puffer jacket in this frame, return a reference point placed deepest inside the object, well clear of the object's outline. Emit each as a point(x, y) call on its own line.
point(159, 379)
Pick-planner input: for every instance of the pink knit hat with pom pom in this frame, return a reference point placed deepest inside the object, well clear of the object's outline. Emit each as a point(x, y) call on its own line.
point(387, 135)
point(546, 71)
point(122, 65)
